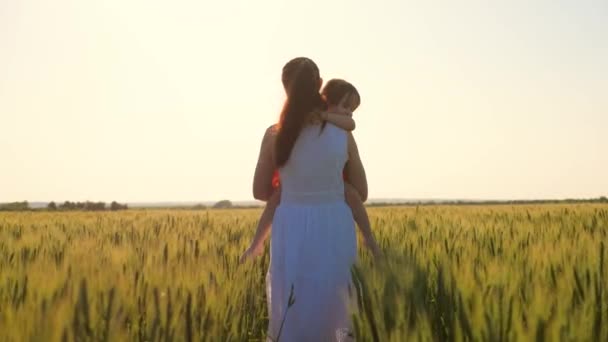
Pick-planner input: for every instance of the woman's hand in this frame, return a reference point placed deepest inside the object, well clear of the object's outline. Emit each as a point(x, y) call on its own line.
point(374, 248)
point(372, 245)
point(251, 253)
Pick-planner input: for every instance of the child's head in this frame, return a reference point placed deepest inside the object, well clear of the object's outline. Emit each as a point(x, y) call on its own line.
point(338, 92)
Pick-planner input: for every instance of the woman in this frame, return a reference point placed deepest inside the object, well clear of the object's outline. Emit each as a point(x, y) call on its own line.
point(313, 242)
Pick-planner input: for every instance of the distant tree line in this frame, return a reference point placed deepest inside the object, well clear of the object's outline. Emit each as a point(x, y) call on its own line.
point(14, 206)
point(602, 199)
point(67, 205)
point(87, 206)
point(223, 204)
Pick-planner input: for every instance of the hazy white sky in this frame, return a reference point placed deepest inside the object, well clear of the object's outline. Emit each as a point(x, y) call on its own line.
point(168, 100)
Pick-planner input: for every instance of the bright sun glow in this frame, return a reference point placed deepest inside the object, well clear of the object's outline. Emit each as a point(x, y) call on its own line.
point(168, 100)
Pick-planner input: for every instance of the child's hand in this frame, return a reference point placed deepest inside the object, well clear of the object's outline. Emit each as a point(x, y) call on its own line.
point(316, 117)
point(343, 111)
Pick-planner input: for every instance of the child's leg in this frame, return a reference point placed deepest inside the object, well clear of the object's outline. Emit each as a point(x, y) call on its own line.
point(265, 222)
point(359, 214)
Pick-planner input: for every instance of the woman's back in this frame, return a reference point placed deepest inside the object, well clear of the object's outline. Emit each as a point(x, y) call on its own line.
point(313, 173)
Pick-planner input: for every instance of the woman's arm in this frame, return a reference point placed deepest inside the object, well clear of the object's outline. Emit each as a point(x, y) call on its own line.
point(343, 121)
point(354, 171)
point(264, 169)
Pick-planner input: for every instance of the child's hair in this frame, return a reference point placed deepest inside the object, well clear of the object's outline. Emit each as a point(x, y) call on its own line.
point(335, 90)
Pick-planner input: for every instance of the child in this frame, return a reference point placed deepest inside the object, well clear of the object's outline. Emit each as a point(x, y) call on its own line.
point(342, 99)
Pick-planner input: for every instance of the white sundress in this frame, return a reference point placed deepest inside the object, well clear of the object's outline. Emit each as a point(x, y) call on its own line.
point(313, 243)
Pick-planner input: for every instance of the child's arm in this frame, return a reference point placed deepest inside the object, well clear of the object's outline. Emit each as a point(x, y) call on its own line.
point(263, 228)
point(343, 121)
point(360, 215)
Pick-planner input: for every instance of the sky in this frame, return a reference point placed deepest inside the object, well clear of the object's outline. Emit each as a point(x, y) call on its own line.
point(168, 100)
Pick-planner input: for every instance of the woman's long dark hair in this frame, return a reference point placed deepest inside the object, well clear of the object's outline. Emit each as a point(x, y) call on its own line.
point(302, 82)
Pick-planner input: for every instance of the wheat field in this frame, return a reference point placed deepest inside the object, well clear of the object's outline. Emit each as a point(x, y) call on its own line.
point(449, 273)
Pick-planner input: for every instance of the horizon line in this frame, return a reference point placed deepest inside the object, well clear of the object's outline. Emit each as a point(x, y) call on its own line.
point(369, 200)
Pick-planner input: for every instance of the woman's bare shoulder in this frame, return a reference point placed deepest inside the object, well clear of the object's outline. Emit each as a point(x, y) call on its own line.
point(270, 134)
point(272, 129)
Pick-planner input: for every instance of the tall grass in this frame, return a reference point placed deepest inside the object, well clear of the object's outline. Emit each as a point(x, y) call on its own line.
point(495, 273)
